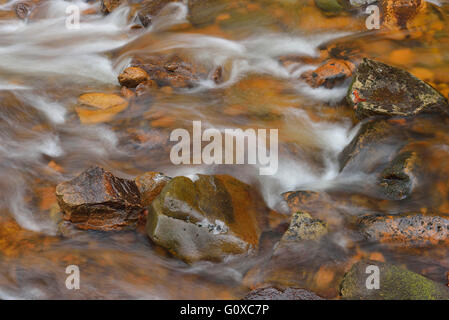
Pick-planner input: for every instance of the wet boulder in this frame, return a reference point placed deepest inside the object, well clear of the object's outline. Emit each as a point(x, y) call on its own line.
point(151, 9)
point(206, 219)
point(397, 180)
point(150, 185)
point(410, 229)
point(395, 283)
point(382, 90)
point(271, 293)
point(98, 200)
point(330, 74)
point(131, 77)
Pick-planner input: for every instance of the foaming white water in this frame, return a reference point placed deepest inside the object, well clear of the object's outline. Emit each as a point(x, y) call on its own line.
point(46, 47)
point(331, 96)
point(257, 54)
point(54, 111)
point(330, 138)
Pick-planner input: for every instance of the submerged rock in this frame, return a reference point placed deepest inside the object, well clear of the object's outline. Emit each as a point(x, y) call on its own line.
point(397, 180)
point(107, 6)
point(395, 283)
point(271, 293)
point(131, 77)
point(202, 12)
point(209, 219)
point(382, 90)
point(332, 6)
point(151, 9)
point(304, 227)
point(150, 185)
point(413, 229)
point(96, 107)
point(332, 73)
point(98, 200)
point(374, 142)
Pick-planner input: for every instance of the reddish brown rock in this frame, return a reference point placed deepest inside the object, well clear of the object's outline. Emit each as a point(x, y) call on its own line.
point(271, 293)
point(332, 73)
point(131, 77)
point(150, 184)
point(98, 200)
point(408, 229)
point(169, 70)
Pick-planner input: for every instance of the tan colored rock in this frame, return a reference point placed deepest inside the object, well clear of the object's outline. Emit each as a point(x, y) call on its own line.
point(97, 107)
point(131, 77)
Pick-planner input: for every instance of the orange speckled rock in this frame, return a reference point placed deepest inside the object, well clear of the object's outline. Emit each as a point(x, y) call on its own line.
point(409, 229)
point(98, 200)
point(397, 13)
point(330, 74)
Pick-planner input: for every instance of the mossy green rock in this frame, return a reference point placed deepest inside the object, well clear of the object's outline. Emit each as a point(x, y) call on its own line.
point(209, 219)
point(382, 90)
point(396, 283)
point(332, 6)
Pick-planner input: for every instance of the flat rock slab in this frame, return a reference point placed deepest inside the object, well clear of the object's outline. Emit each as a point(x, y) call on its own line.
point(98, 200)
point(382, 90)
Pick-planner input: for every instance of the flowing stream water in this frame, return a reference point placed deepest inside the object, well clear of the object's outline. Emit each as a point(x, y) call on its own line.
point(45, 67)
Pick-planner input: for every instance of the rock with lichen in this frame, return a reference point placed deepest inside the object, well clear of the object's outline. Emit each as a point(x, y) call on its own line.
point(382, 90)
point(304, 227)
point(409, 229)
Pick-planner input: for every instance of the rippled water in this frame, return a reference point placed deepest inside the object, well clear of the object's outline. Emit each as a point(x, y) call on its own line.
point(44, 67)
